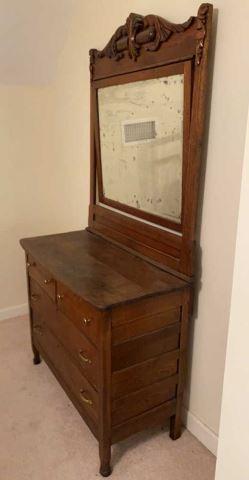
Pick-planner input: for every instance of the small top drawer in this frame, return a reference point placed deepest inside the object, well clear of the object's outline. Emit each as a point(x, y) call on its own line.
point(80, 312)
point(41, 276)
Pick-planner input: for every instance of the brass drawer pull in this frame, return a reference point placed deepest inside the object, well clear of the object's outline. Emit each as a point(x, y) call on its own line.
point(60, 296)
point(46, 281)
point(38, 329)
point(86, 321)
point(34, 297)
point(85, 399)
point(84, 358)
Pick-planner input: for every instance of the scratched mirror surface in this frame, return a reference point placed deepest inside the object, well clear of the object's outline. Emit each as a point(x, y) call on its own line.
point(141, 144)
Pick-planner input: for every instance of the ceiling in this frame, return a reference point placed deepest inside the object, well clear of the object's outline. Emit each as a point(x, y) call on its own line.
point(32, 35)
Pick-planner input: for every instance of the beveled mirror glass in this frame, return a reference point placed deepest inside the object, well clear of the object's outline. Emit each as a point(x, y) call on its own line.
point(141, 144)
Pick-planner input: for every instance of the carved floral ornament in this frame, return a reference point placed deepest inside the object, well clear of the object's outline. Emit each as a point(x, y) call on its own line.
point(152, 31)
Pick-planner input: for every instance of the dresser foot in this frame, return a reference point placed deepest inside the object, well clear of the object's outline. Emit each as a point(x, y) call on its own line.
point(175, 427)
point(105, 459)
point(105, 470)
point(36, 358)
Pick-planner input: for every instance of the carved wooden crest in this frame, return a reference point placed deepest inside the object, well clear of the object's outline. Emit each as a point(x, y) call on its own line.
point(149, 31)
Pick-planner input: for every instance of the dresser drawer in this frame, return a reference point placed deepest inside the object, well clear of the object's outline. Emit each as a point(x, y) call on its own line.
point(47, 343)
point(41, 276)
point(41, 303)
point(84, 317)
point(82, 350)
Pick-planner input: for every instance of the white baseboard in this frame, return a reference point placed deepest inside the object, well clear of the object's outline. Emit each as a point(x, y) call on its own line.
point(12, 312)
point(201, 431)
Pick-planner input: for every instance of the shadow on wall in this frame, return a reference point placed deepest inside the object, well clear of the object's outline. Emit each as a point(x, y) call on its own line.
point(198, 282)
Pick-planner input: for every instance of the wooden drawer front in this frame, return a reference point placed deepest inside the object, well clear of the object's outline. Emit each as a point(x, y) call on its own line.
point(41, 276)
point(143, 374)
point(62, 363)
point(142, 400)
point(145, 325)
point(145, 347)
point(41, 303)
point(83, 316)
point(83, 352)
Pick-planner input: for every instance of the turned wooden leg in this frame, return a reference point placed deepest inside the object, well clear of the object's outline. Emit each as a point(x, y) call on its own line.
point(36, 358)
point(105, 459)
point(175, 427)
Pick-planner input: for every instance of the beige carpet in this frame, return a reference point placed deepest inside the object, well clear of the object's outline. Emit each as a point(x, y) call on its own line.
point(42, 437)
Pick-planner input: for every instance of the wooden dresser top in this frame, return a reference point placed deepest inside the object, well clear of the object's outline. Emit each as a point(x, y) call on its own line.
point(97, 270)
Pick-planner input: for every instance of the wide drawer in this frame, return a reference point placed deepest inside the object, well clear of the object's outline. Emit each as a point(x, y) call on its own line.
point(41, 276)
point(84, 317)
point(78, 384)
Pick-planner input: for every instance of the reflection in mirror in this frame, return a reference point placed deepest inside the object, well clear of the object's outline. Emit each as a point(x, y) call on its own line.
point(141, 141)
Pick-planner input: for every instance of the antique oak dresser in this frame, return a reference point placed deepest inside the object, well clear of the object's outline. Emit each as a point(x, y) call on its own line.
point(110, 305)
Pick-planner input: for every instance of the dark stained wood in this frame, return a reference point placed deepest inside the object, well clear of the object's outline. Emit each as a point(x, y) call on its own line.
point(105, 420)
point(74, 399)
point(136, 31)
point(92, 147)
point(84, 317)
point(80, 387)
point(175, 421)
point(110, 306)
point(161, 266)
point(148, 306)
point(156, 238)
point(82, 351)
point(36, 358)
point(85, 264)
point(130, 384)
point(138, 376)
point(195, 143)
point(141, 348)
point(142, 400)
point(181, 45)
point(104, 229)
point(41, 276)
point(127, 232)
point(188, 47)
point(144, 325)
point(151, 418)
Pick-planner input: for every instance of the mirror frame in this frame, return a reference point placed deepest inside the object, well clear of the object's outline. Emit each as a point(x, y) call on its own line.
point(164, 71)
point(143, 48)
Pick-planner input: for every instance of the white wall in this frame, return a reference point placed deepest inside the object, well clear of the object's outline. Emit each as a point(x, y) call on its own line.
point(45, 171)
point(41, 185)
point(232, 462)
point(32, 37)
